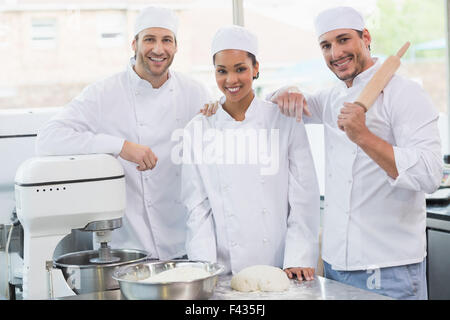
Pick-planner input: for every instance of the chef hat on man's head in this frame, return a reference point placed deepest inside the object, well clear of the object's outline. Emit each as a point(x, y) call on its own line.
point(153, 17)
point(338, 18)
point(234, 37)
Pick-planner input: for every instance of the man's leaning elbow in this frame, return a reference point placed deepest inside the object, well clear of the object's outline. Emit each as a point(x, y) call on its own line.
point(40, 148)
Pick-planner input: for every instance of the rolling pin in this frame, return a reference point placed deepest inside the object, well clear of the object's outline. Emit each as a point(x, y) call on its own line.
point(380, 79)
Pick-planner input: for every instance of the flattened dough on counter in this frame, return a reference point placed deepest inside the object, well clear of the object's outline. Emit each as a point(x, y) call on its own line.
point(260, 278)
point(179, 274)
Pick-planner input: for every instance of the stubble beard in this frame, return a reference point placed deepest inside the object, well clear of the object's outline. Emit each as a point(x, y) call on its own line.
point(142, 61)
point(359, 66)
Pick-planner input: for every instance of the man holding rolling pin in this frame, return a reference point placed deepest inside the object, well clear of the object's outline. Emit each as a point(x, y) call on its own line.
point(379, 164)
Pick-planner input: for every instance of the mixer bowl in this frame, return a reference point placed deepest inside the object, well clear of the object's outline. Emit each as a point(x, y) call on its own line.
point(132, 288)
point(83, 276)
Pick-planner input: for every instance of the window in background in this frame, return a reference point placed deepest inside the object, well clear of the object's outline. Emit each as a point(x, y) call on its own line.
point(111, 28)
point(394, 22)
point(43, 33)
point(95, 43)
point(199, 21)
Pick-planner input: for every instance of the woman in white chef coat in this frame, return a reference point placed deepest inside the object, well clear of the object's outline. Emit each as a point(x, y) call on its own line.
point(248, 178)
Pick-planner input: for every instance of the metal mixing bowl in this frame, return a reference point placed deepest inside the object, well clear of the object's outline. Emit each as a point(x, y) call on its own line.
point(83, 276)
point(131, 286)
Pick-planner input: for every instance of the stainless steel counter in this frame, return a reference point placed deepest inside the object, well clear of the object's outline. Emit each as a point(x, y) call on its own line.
point(438, 240)
point(318, 289)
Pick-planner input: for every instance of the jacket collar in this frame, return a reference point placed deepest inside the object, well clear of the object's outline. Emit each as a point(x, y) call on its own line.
point(366, 75)
point(251, 112)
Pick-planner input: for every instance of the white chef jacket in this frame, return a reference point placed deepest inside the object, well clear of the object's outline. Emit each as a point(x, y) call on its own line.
point(240, 216)
point(371, 220)
point(126, 107)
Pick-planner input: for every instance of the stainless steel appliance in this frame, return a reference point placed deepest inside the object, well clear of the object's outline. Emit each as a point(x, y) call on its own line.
point(57, 194)
point(438, 252)
point(18, 130)
point(133, 287)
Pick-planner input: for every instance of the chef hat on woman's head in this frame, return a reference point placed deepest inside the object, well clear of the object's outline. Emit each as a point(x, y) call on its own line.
point(338, 18)
point(153, 17)
point(234, 37)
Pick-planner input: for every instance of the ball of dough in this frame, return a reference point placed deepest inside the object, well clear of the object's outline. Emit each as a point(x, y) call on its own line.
point(260, 278)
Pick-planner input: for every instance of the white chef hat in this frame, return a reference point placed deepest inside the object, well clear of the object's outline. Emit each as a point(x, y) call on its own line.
point(234, 37)
point(153, 17)
point(338, 18)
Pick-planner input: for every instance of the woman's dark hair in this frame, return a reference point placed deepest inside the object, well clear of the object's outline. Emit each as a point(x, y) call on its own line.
point(251, 56)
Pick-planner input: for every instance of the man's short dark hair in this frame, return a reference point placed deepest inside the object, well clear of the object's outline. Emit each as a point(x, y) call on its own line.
point(360, 34)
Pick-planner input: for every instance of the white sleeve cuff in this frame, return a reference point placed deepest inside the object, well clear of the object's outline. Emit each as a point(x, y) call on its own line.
point(302, 261)
point(274, 93)
point(404, 160)
point(104, 143)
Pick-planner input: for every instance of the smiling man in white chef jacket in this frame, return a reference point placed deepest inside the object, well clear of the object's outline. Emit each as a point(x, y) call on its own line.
point(132, 115)
point(379, 164)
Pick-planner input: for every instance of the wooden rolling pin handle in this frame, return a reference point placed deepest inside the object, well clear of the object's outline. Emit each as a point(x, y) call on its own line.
point(380, 79)
point(403, 49)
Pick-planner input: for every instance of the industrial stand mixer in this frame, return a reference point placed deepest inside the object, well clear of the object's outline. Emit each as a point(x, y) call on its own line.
point(57, 194)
